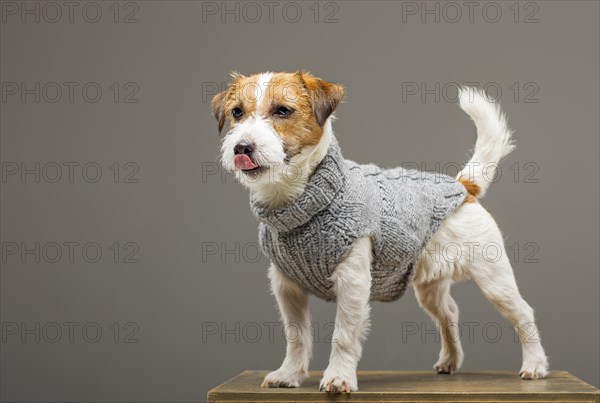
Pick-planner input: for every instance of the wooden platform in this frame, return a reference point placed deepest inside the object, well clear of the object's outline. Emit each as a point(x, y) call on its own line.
point(416, 386)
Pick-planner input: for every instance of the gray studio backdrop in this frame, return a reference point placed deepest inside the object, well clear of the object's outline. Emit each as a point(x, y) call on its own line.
point(130, 269)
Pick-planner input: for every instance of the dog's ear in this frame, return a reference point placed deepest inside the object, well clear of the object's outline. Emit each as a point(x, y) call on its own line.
point(325, 96)
point(219, 100)
point(218, 108)
point(236, 75)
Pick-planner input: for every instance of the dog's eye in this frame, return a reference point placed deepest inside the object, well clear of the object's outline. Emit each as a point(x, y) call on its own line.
point(282, 111)
point(237, 112)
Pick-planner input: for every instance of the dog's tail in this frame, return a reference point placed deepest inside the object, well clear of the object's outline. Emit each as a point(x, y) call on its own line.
point(493, 141)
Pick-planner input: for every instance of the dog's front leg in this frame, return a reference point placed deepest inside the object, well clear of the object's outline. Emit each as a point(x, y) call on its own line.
point(293, 306)
point(352, 286)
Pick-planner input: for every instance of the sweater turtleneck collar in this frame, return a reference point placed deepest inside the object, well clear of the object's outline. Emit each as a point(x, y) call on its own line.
point(323, 185)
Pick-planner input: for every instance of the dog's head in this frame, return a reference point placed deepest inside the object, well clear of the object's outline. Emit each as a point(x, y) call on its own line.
point(276, 122)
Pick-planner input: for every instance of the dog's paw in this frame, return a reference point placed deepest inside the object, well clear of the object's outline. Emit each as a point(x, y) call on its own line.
point(283, 379)
point(337, 383)
point(534, 370)
point(447, 366)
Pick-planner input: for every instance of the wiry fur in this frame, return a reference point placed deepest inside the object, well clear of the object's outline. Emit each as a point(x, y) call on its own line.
point(494, 138)
point(473, 229)
point(292, 178)
point(470, 226)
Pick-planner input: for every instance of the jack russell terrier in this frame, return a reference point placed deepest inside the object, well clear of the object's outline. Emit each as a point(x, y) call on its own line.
point(354, 233)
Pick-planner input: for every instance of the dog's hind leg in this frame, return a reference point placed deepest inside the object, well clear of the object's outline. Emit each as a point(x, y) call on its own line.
point(497, 282)
point(293, 306)
point(434, 297)
point(469, 245)
point(482, 257)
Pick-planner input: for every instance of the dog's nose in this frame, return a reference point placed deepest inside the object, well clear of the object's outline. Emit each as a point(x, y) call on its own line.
point(243, 147)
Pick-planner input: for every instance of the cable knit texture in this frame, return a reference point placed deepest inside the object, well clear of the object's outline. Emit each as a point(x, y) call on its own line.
point(398, 209)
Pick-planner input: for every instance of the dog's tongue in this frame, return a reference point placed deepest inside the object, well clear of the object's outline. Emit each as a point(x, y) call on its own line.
point(242, 161)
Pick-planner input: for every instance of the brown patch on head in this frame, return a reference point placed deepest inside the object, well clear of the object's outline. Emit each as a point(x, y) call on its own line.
point(309, 100)
point(300, 128)
point(325, 95)
point(473, 189)
point(239, 94)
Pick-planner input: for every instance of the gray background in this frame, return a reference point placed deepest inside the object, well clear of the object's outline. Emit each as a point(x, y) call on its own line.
point(201, 317)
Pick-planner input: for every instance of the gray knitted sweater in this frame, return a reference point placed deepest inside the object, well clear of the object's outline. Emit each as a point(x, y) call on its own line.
point(398, 209)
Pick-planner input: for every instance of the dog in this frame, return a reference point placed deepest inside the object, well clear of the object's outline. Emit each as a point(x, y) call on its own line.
point(279, 137)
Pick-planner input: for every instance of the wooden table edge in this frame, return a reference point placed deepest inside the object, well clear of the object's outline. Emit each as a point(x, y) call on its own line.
point(593, 395)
